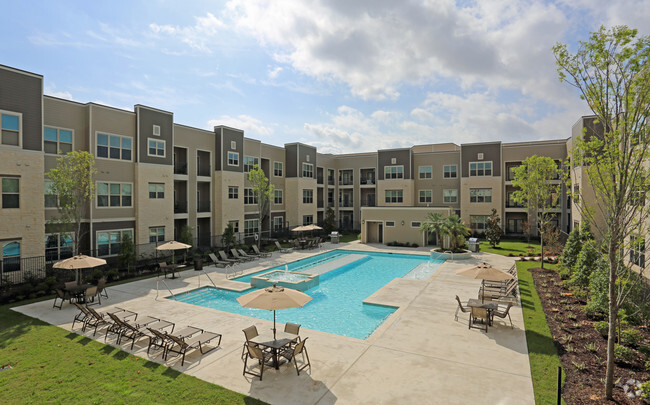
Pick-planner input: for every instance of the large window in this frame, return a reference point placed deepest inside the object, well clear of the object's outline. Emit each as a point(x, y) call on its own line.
point(235, 226)
point(57, 140)
point(10, 129)
point(51, 199)
point(515, 225)
point(108, 242)
point(277, 169)
point(477, 222)
point(277, 196)
point(450, 196)
point(480, 195)
point(278, 223)
point(637, 251)
point(10, 255)
point(393, 172)
point(307, 196)
point(394, 196)
point(251, 227)
point(114, 195)
point(425, 172)
point(250, 196)
point(233, 159)
point(10, 192)
point(58, 246)
point(480, 169)
point(307, 219)
point(233, 192)
point(156, 147)
point(250, 162)
point(157, 234)
point(307, 170)
point(425, 196)
point(114, 146)
point(449, 171)
point(156, 190)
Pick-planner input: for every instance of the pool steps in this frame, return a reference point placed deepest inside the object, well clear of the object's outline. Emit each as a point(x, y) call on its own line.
point(334, 264)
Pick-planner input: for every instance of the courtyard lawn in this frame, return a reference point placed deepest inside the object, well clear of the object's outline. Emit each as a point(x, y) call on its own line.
point(349, 237)
point(514, 246)
point(50, 364)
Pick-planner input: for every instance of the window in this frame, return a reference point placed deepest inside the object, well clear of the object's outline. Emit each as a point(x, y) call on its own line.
point(108, 243)
point(235, 226)
point(394, 196)
point(330, 198)
point(307, 219)
point(277, 196)
point(250, 162)
point(307, 196)
point(57, 140)
point(155, 130)
point(393, 172)
point(250, 197)
point(278, 223)
point(307, 170)
point(51, 199)
point(515, 225)
point(638, 198)
point(58, 246)
point(425, 172)
point(113, 195)
point(576, 193)
point(415, 224)
point(425, 196)
point(480, 169)
point(390, 223)
point(277, 169)
point(480, 195)
point(10, 127)
point(637, 251)
point(157, 234)
point(156, 148)
point(477, 222)
point(233, 159)
point(10, 256)
point(450, 196)
point(156, 190)
point(10, 192)
point(449, 172)
point(330, 177)
point(233, 192)
point(251, 227)
point(113, 146)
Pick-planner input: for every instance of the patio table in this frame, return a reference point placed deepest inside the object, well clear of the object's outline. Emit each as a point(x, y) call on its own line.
point(267, 341)
point(488, 305)
point(77, 292)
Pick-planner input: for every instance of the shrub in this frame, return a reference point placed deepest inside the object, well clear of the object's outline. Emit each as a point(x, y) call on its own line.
point(645, 389)
point(645, 350)
point(623, 354)
point(647, 367)
point(602, 327)
point(112, 275)
point(631, 337)
point(415, 245)
point(571, 250)
point(599, 288)
point(586, 262)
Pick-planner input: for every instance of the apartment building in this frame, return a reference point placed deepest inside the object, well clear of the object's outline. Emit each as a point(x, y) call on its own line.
point(156, 176)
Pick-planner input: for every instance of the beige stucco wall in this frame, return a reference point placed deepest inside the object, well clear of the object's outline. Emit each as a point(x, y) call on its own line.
point(226, 209)
point(370, 216)
point(407, 187)
point(437, 183)
point(295, 209)
point(467, 208)
point(153, 212)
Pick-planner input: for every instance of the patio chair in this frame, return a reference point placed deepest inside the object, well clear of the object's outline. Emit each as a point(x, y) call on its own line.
point(225, 258)
point(217, 262)
point(60, 295)
point(181, 345)
point(282, 249)
point(292, 353)
point(116, 327)
point(260, 253)
point(503, 314)
point(95, 319)
point(128, 331)
point(236, 255)
point(250, 333)
point(246, 255)
point(292, 329)
point(461, 308)
point(476, 314)
point(158, 339)
point(70, 284)
point(81, 316)
point(101, 288)
point(262, 357)
point(90, 294)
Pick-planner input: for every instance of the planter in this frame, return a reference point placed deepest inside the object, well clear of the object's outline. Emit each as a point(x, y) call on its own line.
point(198, 264)
point(439, 254)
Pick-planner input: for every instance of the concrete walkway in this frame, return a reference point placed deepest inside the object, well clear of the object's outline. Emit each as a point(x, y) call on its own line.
point(419, 355)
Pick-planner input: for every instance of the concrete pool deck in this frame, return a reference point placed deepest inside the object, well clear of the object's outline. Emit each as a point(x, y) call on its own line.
point(419, 355)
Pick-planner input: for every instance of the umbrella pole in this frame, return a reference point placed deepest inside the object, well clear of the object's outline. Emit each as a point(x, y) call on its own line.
point(274, 324)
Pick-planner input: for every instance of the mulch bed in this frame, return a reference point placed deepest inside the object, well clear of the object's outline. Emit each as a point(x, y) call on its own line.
point(572, 332)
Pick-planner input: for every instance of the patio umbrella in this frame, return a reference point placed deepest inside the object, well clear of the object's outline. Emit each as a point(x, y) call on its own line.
point(484, 272)
point(79, 262)
point(173, 245)
point(274, 298)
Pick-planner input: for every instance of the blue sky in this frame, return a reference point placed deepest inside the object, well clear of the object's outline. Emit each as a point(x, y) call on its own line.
point(345, 76)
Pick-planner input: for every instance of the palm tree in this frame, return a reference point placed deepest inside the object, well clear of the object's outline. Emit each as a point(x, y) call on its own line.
point(457, 231)
point(434, 224)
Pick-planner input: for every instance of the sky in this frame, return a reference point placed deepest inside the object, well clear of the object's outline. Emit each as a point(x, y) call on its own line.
point(342, 75)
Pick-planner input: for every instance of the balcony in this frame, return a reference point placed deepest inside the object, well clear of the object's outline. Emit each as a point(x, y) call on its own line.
point(319, 179)
point(203, 206)
point(512, 204)
point(203, 171)
point(180, 168)
point(368, 181)
point(180, 207)
point(330, 180)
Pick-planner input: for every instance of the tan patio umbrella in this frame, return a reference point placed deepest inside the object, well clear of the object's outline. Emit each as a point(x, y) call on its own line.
point(173, 245)
point(484, 272)
point(79, 262)
point(274, 298)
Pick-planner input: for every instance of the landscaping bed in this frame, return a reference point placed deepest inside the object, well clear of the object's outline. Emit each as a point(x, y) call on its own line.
point(582, 349)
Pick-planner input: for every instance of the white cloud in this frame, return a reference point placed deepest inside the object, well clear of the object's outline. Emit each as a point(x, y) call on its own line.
point(198, 36)
point(50, 90)
point(273, 73)
point(252, 127)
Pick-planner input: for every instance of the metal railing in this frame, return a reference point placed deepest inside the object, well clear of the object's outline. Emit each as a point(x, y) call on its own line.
point(180, 207)
point(180, 168)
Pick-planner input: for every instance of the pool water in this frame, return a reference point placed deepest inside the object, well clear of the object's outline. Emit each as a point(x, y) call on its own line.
point(279, 275)
point(337, 305)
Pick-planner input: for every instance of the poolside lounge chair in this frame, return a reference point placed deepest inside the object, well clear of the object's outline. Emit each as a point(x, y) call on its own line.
point(225, 258)
point(158, 339)
point(461, 308)
point(95, 319)
point(476, 314)
point(236, 255)
point(292, 329)
point(260, 253)
point(503, 314)
point(292, 353)
point(490, 294)
point(60, 295)
point(181, 345)
point(246, 255)
point(81, 316)
point(282, 249)
point(262, 357)
point(217, 262)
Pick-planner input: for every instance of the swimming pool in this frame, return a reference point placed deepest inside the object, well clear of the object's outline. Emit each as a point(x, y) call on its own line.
point(337, 305)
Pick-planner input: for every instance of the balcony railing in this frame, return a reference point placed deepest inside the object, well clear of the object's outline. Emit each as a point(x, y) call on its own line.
point(346, 204)
point(203, 172)
point(330, 180)
point(368, 181)
point(319, 204)
point(346, 182)
point(180, 207)
point(203, 206)
point(180, 168)
point(319, 179)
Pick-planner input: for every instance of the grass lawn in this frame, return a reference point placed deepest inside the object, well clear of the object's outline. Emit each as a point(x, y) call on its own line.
point(349, 237)
point(50, 364)
point(510, 246)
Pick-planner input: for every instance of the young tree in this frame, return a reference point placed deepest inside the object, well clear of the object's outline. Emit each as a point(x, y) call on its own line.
point(126, 255)
point(329, 222)
point(610, 72)
point(72, 182)
point(262, 190)
point(493, 229)
point(228, 238)
point(434, 223)
point(571, 250)
point(457, 231)
point(536, 191)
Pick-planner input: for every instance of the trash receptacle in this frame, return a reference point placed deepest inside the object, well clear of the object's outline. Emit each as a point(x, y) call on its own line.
point(473, 245)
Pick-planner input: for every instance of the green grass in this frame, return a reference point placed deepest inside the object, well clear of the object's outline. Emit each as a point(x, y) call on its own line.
point(542, 353)
point(50, 364)
point(349, 237)
point(515, 247)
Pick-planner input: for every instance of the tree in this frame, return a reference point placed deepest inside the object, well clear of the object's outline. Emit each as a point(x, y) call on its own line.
point(228, 238)
point(186, 236)
point(457, 231)
point(329, 222)
point(535, 190)
point(493, 229)
point(571, 250)
point(610, 72)
point(585, 263)
point(434, 223)
point(72, 183)
point(126, 255)
point(262, 190)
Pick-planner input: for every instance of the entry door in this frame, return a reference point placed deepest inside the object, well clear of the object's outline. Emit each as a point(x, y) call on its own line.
point(381, 233)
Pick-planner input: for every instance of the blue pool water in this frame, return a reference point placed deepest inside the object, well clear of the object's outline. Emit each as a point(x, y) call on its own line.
point(337, 305)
